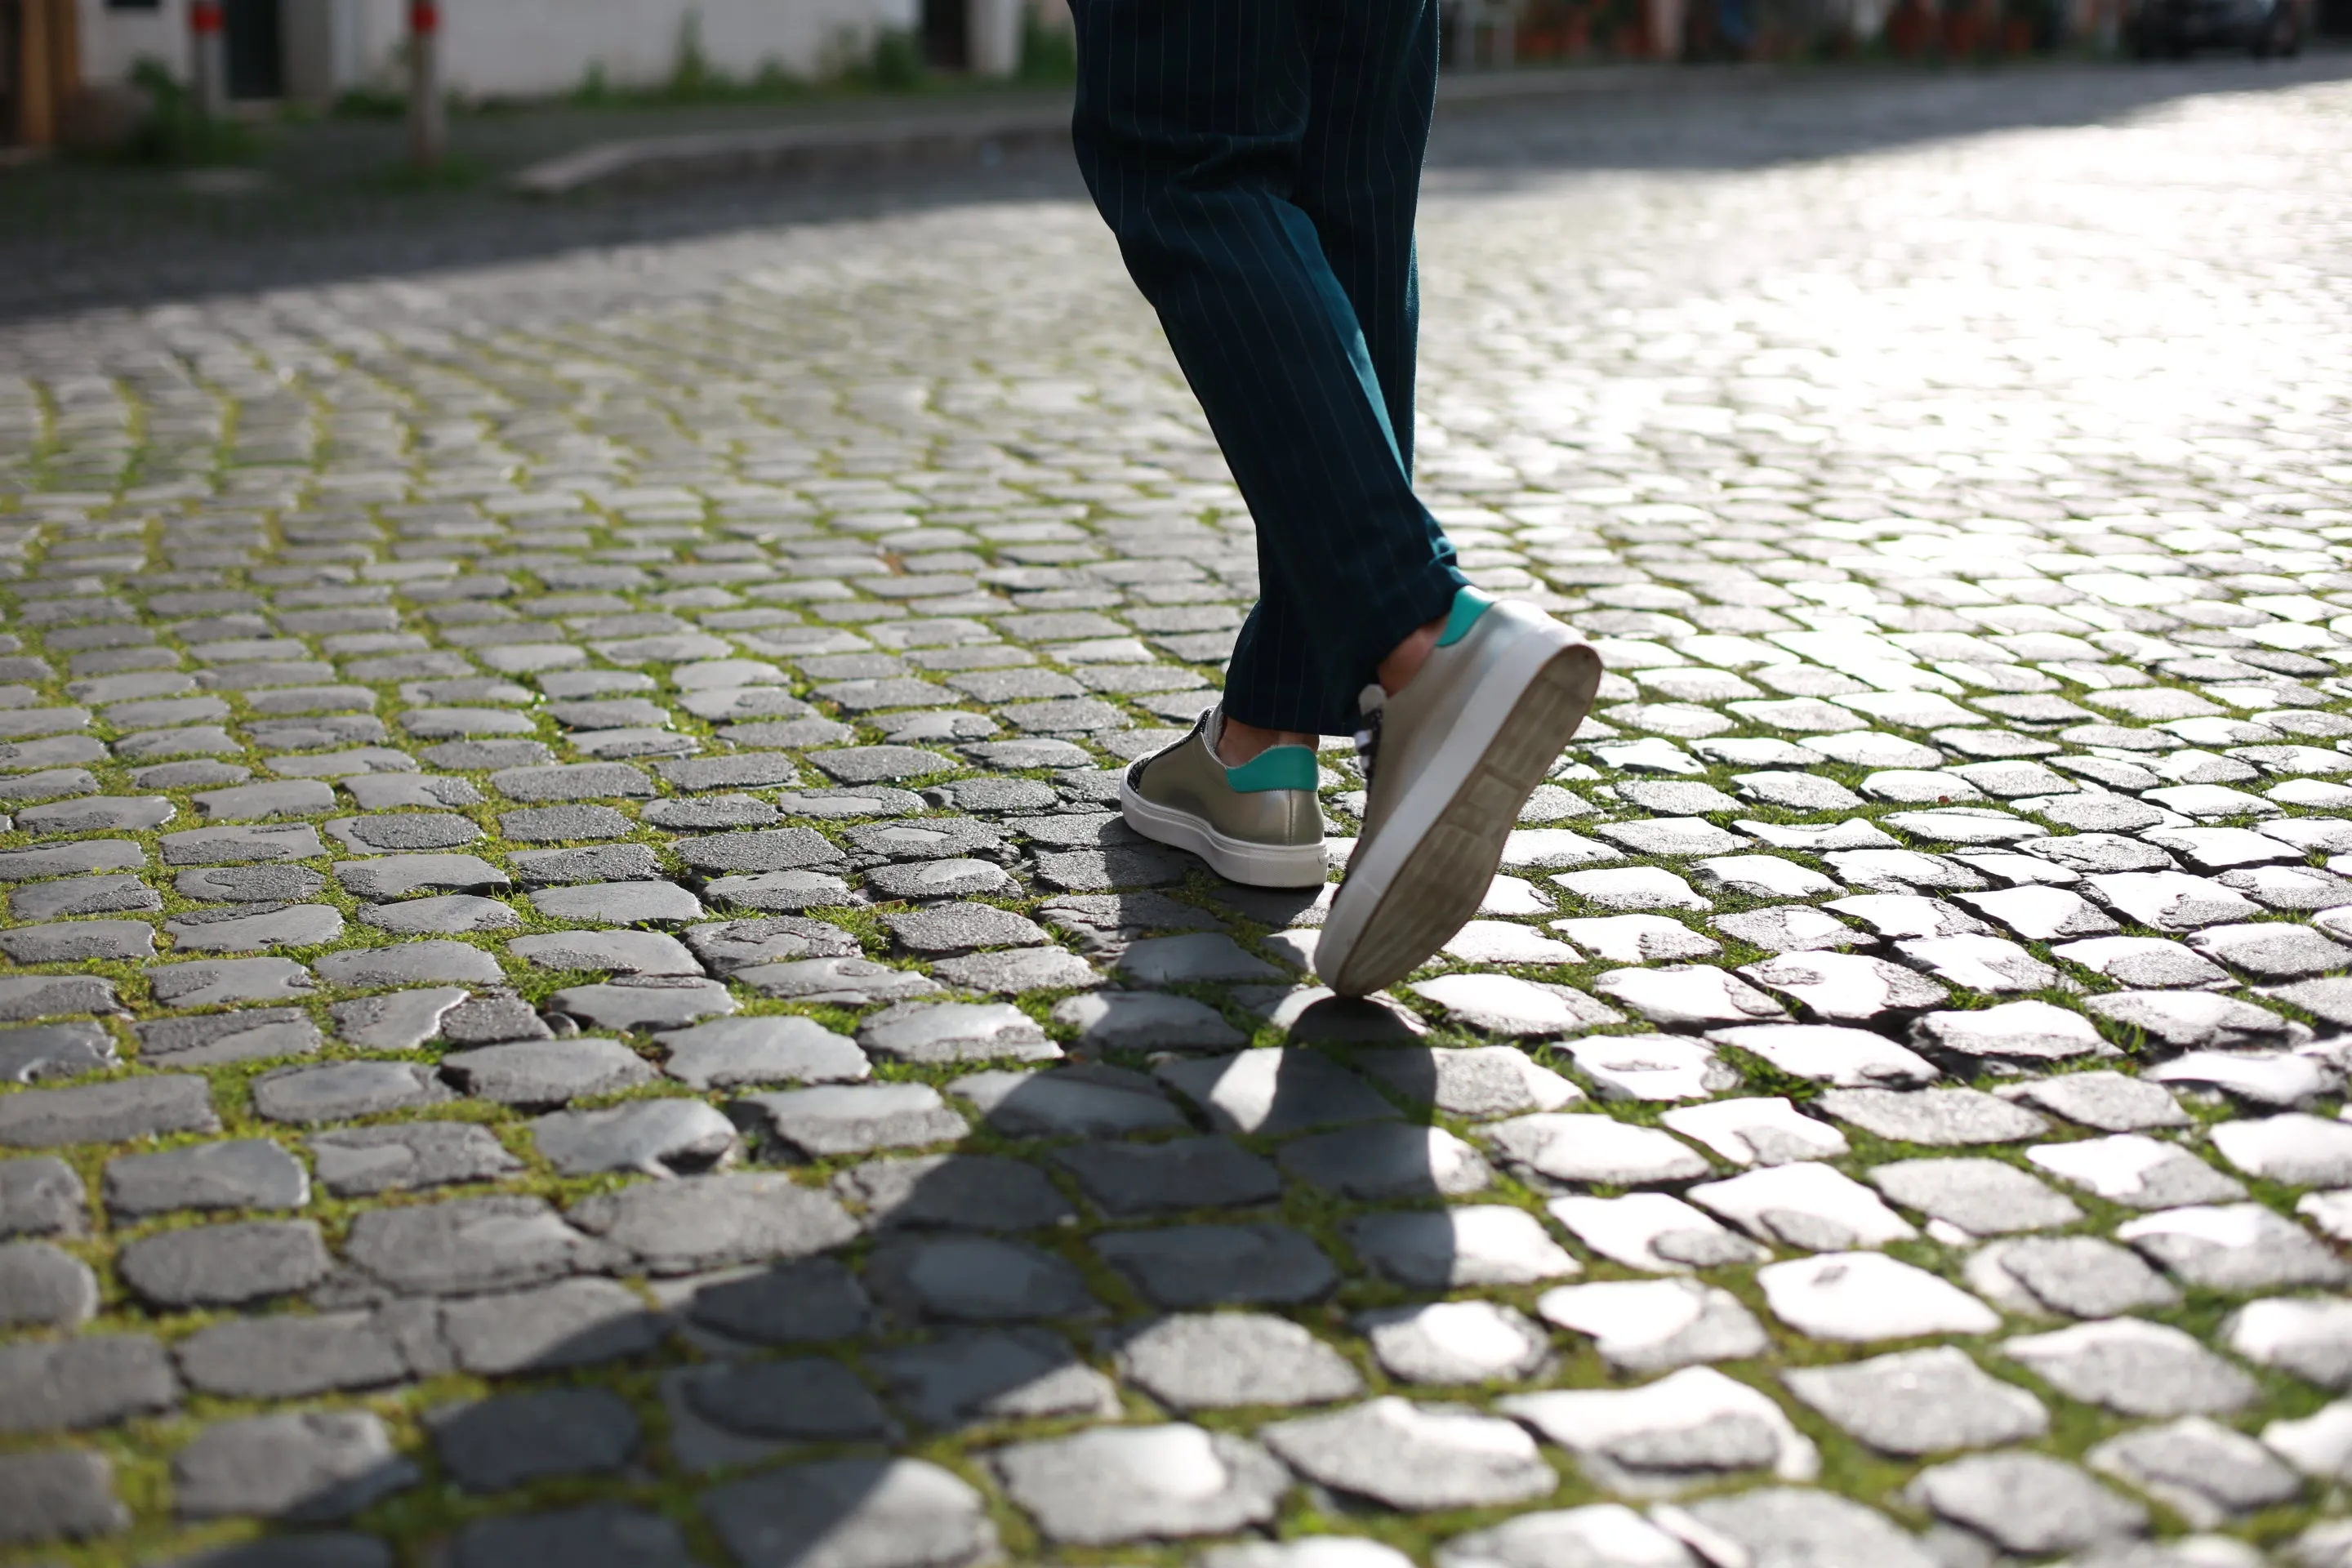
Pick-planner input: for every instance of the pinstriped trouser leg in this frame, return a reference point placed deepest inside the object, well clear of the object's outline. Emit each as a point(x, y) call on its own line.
point(1258, 161)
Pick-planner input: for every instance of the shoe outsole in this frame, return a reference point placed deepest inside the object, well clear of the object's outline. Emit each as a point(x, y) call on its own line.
point(1444, 877)
point(1251, 865)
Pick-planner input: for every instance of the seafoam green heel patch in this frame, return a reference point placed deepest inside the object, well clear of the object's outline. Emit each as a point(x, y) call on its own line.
point(1276, 767)
point(1469, 603)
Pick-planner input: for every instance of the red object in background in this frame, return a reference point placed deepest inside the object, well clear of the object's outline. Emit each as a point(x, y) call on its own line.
point(205, 17)
point(424, 16)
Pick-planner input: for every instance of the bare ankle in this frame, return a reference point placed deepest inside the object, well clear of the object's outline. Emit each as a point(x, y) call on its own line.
point(1238, 743)
point(1405, 660)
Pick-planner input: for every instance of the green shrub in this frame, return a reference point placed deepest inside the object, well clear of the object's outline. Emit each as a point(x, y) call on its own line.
point(176, 130)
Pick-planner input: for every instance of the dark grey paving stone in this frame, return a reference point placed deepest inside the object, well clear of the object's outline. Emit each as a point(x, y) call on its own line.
point(749, 771)
point(120, 894)
point(1103, 921)
point(245, 1172)
point(1415, 1456)
point(800, 1302)
point(563, 824)
point(945, 930)
point(776, 849)
point(1146, 1021)
point(976, 1279)
point(2135, 1368)
point(1119, 1484)
point(76, 1384)
point(41, 1195)
point(466, 1245)
point(247, 930)
point(44, 1286)
point(1443, 1248)
point(1219, 1361)
point(613, 952)
point(950, 877)
point(333, 1549)
point(2026, 1503)
point(543, 1073)
point(701, 1222)
point(213, 1039)
point(337, 1091)
point(241, 846)
point(284, 1356)
point(1077, 1101)
point(1100, 871)
point(1173, 1176)
point(651, 1137)
point(855, 1118)
point(929, 838)
point(594, 863)
point(310, 1466)
point(1920, 1401)
point(960, 1191)
point(224, 1265)
point(1196, 957)
point(1014, 971)
point(1207, 1264)
point(1822, 1529)
point(399, 876)
point(25, 997)
point(1272, 1093)
point(451, 914)
point(966, 1377)
point(82, 859)
point(547, 1328)
point(481, 756)
point(250, 884)
point(2082, 1276)
point(1384, 1162)
point(724, 946)
point(404, 832)
point(643, 1002)
point(801, 1399)
point(513, 1439)
point(945, 1032)
point(903, 1514)
point(412, 963)
point(107, 1112)
point(73, 941)
point(735, 1052)
point(58, 1494)
point(492, 1019)
point(572, 782)
point(784, 892)
point(716, 811)
point(599, 1535)
point(54, 1050)
point(106, 813)
point(399, 1022)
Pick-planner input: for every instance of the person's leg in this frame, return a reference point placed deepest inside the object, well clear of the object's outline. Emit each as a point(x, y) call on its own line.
point(1192, 119)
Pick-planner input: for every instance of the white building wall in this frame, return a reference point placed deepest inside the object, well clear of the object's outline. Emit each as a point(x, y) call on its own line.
point(523, 49)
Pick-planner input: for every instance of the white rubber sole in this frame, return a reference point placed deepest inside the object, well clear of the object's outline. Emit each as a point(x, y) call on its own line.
point(1415, 884)
point(1234, 859)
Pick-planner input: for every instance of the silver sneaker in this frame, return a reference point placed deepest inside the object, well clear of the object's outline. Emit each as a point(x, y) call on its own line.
point(1258, 823)
point(1449, 760)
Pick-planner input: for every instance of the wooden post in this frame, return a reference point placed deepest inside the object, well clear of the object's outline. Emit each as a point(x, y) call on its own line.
point(427, 126)
point(208, 55)
point(36, 105)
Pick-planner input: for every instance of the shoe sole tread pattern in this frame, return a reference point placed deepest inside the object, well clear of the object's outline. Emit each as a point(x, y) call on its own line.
point(1445, 875)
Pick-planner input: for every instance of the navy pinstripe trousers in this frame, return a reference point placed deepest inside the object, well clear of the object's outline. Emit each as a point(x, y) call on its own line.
point(1259, 162)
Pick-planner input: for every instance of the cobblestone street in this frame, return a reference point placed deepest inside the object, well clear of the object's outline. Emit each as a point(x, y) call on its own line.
point(576, 994)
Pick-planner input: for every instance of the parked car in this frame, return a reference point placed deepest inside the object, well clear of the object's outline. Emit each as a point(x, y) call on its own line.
point(2174, 29)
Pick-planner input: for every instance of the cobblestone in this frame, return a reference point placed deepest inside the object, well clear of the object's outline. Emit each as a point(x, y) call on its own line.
point(848, 598)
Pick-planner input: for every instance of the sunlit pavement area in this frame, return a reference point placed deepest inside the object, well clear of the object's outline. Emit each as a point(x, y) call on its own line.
point(582, 997)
